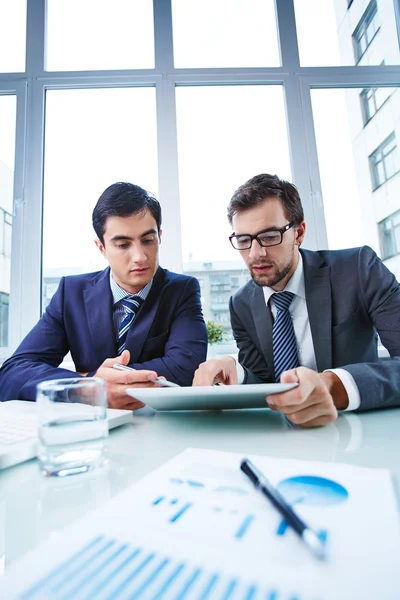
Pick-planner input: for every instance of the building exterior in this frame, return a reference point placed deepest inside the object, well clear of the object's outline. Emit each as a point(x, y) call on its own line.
point(218, 281)
point(368, 35)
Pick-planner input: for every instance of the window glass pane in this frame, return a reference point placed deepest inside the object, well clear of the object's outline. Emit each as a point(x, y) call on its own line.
point(99, 34)
point(222, 142)
point(93, 138)
point(354, 205)
point(8, 106)
point(391, 163)
point(12, 35)
point(397, 239)
point(379, 172)
point(344, 36)
point(227, 33)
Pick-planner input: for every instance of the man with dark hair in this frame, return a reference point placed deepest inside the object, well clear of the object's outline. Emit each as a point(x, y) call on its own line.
point(307, 317)
point(134, 312)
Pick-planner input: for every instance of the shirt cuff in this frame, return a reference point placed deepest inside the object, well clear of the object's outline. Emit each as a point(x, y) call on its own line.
point(240, 372)
point(350, 386)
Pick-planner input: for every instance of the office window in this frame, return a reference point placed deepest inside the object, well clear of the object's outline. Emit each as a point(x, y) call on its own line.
point(93, 138)
point(371, 101)
point(222, 142)
point(389, 231)
point(99, 35)
point(384, 161)
point(366, 30)
point(226, 134)
point(225, 33)
point(8, 107)
point(12, 35)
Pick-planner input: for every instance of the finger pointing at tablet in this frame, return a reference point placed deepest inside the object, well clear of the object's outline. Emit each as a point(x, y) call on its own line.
point(220, 369)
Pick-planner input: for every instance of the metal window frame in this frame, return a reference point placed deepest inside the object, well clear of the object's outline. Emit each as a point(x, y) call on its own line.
point(361, 30)
point(379, 156)
point(31, 86)
point(381, 225)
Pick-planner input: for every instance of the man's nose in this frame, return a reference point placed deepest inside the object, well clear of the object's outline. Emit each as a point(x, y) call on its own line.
point(256, 250)
point(137, 253)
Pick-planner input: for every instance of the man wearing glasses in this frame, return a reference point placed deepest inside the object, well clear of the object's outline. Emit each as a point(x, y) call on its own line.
point(307, 317)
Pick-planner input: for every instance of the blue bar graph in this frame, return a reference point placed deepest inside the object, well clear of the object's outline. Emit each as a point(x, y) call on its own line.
point(112, 570)
point(209, 587)
point(244, 526)
point(180, 512)
point(158, 500)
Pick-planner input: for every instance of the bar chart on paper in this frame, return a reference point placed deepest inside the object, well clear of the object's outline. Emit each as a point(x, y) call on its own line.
point(108, 569)
point(194, 529)
point(231, 521)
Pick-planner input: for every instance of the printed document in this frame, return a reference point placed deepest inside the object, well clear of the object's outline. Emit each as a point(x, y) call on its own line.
point(196, 528)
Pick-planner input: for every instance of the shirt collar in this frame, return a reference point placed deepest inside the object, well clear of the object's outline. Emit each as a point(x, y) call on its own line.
point(294, 285)
point(118, 293)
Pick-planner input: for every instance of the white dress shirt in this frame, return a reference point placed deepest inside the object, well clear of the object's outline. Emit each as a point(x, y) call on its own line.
point(302, 331)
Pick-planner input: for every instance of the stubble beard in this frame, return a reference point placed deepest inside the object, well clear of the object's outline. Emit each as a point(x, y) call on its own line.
point(276, 277)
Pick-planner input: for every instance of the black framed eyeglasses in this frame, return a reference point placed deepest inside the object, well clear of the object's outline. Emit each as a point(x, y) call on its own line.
point(266, 238)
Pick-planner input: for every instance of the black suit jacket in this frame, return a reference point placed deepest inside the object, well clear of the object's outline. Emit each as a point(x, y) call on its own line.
point(351, 298)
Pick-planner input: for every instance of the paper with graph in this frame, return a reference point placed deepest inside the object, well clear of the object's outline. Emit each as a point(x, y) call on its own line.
point(195, 528)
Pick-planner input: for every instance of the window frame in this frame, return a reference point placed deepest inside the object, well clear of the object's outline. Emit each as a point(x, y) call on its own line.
point(382, 238)
point(365, 105)
point(379, 153)
point(31, 87)
point(361, 31)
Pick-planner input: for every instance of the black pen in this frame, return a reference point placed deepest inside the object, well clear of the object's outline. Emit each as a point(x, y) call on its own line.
point(305, 533)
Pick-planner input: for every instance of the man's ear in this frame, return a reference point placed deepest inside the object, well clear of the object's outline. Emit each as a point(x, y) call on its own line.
point(160, 235)
point(100, 246)
point(300, 233)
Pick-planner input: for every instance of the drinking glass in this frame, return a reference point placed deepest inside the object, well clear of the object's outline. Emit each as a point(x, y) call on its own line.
point(73, 428)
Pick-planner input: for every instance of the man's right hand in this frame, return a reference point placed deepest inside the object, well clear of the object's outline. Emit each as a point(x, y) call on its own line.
point(220, 369)
point(117, 382)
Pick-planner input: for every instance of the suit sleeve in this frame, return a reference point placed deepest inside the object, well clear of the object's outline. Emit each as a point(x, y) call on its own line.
point(252, 361)
point(379, 382)
point(38, 356)
point(186, 346)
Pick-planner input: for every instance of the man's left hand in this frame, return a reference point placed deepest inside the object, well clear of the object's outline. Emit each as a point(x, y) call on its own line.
point(314, 402)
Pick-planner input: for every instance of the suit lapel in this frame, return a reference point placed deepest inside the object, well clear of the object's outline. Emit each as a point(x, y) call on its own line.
point(98, 303)
point(139, 329)
point(263, 323)
point(319, 306)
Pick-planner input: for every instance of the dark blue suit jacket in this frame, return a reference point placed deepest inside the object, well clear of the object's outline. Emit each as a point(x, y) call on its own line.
point(168, 334)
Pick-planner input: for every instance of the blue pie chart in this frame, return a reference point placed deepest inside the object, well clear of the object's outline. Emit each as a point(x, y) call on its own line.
point(312, 490)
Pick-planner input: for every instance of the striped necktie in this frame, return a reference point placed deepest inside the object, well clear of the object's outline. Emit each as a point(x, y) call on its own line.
point(283, 338)
point(131, 305)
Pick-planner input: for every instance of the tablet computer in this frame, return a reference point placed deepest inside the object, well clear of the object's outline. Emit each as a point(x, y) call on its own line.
point(214, 397)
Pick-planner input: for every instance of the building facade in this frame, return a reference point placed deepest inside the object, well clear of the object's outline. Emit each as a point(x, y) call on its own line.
point(368, 35)
point(218, 281)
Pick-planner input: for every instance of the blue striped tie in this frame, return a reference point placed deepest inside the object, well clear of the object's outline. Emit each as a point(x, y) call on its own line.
point(283, 338)
point(131, 305)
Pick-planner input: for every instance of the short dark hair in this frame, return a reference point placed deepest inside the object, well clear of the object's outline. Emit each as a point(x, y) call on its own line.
point(258, 188)
point(123, 199)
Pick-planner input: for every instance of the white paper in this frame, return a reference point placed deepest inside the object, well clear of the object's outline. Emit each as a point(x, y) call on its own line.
point(196, 528)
